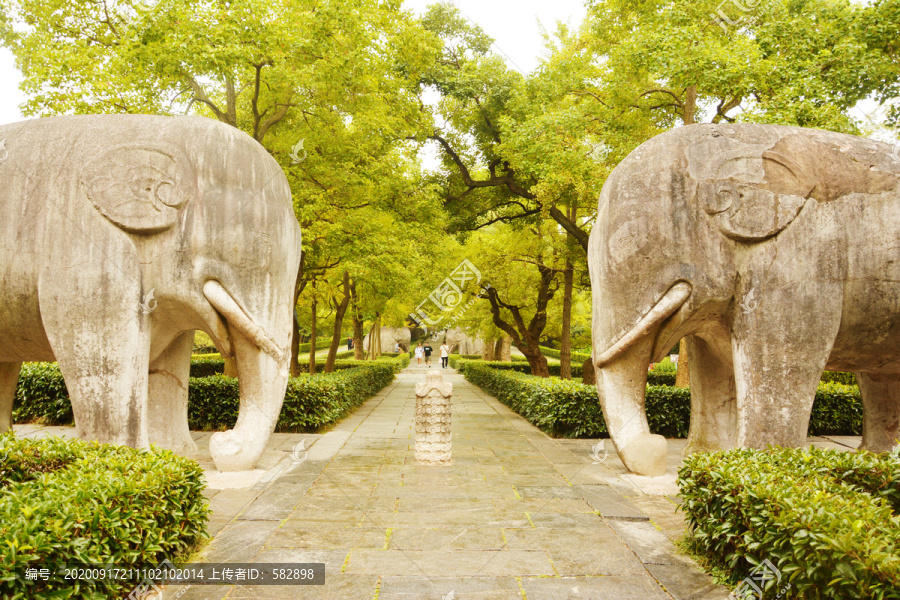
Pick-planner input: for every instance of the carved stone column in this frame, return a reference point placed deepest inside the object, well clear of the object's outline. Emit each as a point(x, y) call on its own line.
point(433, 437)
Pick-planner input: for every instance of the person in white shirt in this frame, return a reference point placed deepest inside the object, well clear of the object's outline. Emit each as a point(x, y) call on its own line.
point(420, 352)
point(445, 354)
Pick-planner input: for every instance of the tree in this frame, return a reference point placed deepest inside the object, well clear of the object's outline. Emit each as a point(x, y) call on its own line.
point(523, 267)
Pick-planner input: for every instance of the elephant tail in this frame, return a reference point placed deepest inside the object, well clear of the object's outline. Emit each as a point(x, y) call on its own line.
point(662, 310)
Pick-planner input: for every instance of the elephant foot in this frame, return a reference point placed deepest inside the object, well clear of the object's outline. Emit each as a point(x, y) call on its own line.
point(645, 454)
point(232, 451)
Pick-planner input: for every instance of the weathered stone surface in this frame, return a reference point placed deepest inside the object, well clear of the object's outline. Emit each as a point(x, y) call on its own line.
point(772, 250)
point(390, 337)
point(463, 343)
point(122, 234)
point(433, 435)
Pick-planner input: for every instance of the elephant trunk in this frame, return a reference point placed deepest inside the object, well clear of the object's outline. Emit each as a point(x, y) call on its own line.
point(262, 367)
point(621, 370)
point(621, 385)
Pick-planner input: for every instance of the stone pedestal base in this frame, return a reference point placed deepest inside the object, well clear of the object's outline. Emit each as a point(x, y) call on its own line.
point(433, 436)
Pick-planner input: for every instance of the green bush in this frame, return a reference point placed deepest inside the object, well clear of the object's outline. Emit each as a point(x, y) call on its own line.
point(837, 410)
point(567, 408)
point(574, 410)
point(838, 377)
point(310, 403)
point(665, 366)
point(205, 365)
point(660, 378)
point(321, 344)
point(520, 366)
point(69, 501)
point(576, 357)
point(823, 518)
point(203, 343)
point(41, 395)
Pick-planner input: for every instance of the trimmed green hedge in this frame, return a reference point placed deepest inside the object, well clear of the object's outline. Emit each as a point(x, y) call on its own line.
point(660, 378)
point(213, 400)
point(566, 408)
point(576, 357)
point(69, 501)
point(204, 365)
point(310, 403)
point(838, 377)
point(321, 344)
point(520, 366)
point(827, 520)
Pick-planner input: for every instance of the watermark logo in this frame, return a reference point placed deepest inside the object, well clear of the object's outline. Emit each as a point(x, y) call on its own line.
point(4, 153)
point(598, 453)
point(450, 596)
point(148, 589)
point(749, 303)
point(296, 159)
point(447, 297)
point(299, 452)
point(148, 304)
point(751, 588)
point(597, 151)
point(721, 15)
point(895, 153)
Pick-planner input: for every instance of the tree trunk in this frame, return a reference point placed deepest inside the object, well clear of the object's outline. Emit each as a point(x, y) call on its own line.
point(340, 310)
point(295, 325)
point(370, 353)
point(565, 347)
point(536, 360)
point(358, 351)
point(588, 376)
point(376, 334)
point(487, 351)
point(683, 370)
point(312, 337)
point(504, 351)
point(690, 105)
point(526, 337)
point(295, 345)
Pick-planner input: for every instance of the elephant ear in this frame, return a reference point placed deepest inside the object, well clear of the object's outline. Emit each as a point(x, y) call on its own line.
point(754, 198)
point(142, 188)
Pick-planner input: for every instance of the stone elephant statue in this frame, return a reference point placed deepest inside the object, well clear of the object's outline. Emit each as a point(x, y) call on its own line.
point(120, 236)
point(775, 251)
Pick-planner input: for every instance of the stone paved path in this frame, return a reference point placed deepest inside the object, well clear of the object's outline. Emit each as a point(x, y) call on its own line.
point(517, 515)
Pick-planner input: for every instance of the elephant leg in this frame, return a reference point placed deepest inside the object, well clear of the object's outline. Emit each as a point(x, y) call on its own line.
point(780, 349)
point(713, 398)
point(9, 378)
point(167, 396)
point(101, 340)
point(881, 411)
point(621, 386)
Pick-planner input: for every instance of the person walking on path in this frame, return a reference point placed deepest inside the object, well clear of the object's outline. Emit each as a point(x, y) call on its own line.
point(419, 354)
point(427, 350)
point(445, 354)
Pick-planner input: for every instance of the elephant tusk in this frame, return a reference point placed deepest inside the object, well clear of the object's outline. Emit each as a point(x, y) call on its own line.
point(223, 302)
point(672, 301)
